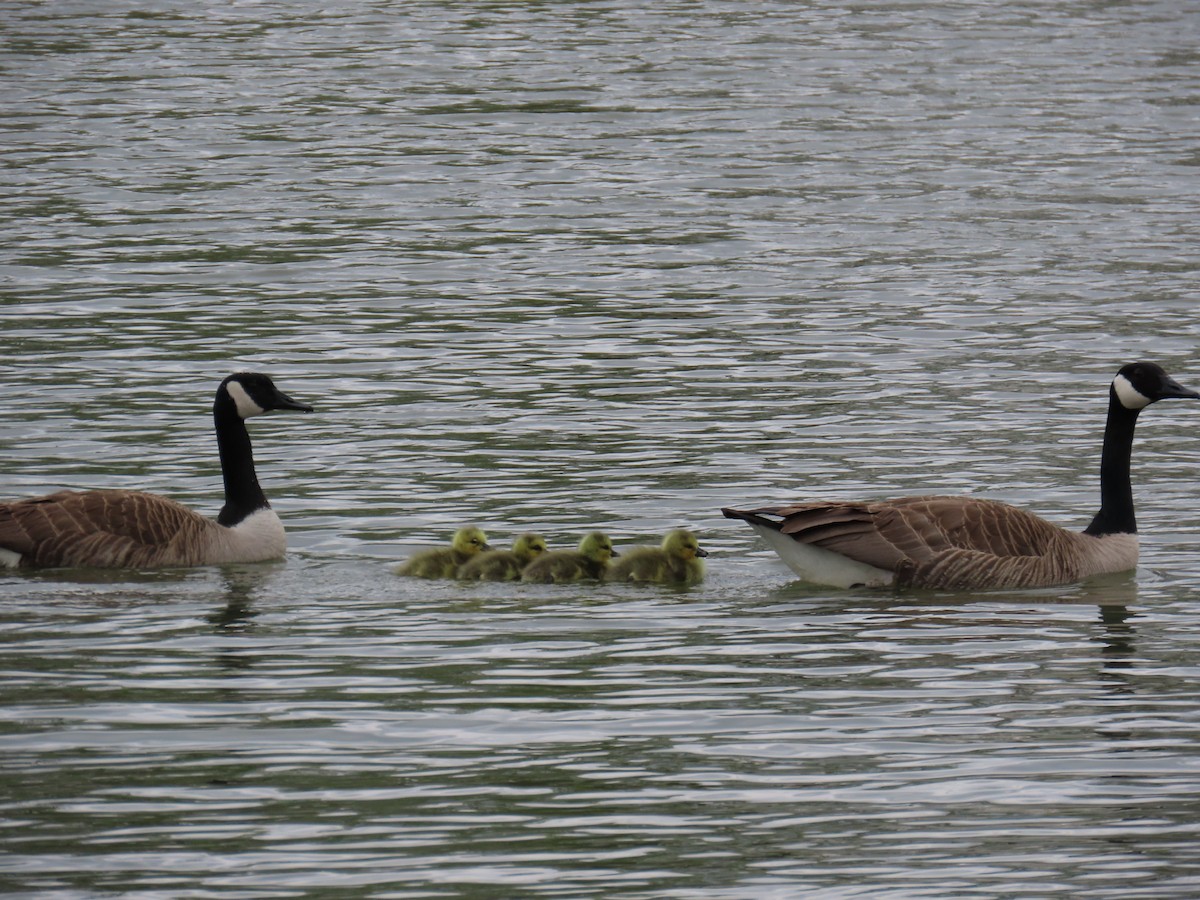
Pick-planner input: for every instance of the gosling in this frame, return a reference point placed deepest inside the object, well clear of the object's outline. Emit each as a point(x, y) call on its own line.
point(504, 565)
point(678, 560)
point(444, 562)
point(588, 563)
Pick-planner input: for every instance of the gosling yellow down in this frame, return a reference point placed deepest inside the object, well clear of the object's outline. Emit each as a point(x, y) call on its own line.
point(678, 560)
point(588, 563)
point(444, 562)
point(504, 565)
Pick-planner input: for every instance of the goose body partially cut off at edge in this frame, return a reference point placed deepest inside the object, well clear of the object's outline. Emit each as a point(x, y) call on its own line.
point(133, 529)
point(966, 543)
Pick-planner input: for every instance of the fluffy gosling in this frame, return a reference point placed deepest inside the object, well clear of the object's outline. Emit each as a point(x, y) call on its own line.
point(588, 563)
point(504, 565)
point(678, 560)
point(444, 562)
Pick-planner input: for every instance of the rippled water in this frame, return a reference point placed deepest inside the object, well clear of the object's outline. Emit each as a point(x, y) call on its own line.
point(580, 265)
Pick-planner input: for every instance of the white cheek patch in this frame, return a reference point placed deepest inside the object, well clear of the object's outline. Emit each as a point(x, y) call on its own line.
point(1130, 397)
point(245, 406)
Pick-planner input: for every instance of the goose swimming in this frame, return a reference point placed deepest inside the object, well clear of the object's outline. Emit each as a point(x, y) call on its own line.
point(678, 560)
point(504, 565)
point(444, 562)
point(588, 563)
point(134, 529)
point(970, 543)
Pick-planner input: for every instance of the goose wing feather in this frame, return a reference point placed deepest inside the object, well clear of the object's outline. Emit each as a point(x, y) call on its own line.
point(985, 526)
point(125, 529)
point(932, 541)
point(875, 534)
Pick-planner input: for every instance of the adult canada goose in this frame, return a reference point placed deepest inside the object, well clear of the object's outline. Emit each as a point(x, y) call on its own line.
point(966, 543)
point(678, 560)
point(504, 565)
point(588, 563)
point(132, 529)
point(444, 562)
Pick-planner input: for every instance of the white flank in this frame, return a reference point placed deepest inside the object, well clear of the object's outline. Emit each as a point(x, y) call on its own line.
point(820, 566)
point(9, 559)
point(245, 406)
point(257, 538)
point(1130, 397)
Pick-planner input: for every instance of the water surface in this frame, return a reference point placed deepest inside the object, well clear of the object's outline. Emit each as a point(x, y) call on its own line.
point(575, 266)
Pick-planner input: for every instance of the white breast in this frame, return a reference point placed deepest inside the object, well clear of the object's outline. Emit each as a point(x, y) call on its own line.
point(257, 538)
point(1108, 554)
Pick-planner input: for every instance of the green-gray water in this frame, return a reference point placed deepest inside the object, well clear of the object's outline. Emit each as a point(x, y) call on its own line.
point(566, 266)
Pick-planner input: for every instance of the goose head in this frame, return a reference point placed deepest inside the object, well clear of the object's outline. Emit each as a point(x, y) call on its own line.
point(597, 547)
point(529, 545)
point(469, 540)
point(252, 394)
point(1137, 385)
point(682, 544)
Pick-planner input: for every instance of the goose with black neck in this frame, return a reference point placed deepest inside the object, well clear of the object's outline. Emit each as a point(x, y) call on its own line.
point(964, 543)
point(134, 529)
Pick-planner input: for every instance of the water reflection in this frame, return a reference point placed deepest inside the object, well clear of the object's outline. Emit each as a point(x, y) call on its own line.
point(241, 584)
point(1117, 638)
point(1118, 590)
point(563, 266)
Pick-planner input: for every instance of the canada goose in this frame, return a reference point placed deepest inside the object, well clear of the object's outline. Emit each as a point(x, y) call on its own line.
point(678, 560)
point(130, 529)
point(444, 562)
point(588, 563)
point(504, 565)
point(966, 543)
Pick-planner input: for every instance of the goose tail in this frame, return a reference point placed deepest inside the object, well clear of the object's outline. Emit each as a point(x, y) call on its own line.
point(752, 516)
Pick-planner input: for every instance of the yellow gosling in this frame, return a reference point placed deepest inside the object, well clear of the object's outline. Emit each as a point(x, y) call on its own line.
point(444, 562)
point(678, 560)
point(588, 563)
point(504, 565)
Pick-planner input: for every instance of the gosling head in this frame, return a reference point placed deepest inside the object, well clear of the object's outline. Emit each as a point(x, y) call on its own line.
point(683, 544)
point(470, 540)
point(253, 394)
point(596, 546)
point(529, 545)
point(1137, 385)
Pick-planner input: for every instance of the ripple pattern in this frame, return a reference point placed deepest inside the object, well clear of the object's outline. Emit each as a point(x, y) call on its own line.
point(572, 266)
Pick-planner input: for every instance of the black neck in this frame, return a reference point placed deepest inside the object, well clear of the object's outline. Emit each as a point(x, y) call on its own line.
point(1116, 493)
point(243, 496)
